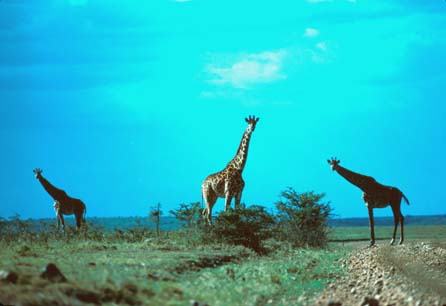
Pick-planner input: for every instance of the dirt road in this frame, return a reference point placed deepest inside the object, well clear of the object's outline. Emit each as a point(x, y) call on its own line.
point(410, 274)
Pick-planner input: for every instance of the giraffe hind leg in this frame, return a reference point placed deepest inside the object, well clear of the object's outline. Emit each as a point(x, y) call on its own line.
point(78, 221)
point(398, 219)
point(402, 228)
point(79, 211)
point(209, 198)
point(372, 227)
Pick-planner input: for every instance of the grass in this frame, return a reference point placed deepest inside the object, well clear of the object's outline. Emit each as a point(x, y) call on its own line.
point(132, 267)
point(287, 278)
point(164, 272)
point(385, 232)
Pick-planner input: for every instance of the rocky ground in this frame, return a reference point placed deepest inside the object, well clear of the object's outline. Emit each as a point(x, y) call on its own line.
point(411, 274)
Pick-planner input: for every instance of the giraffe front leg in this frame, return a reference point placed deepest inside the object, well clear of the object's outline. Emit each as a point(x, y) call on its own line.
point(237, 200)
point(372, 227)
point(58, 222)
point(62, 221)
point(228, 199)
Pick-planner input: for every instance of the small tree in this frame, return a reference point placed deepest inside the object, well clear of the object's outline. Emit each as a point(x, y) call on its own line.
point(155, 216)
point(188, 214)
point(303, 218)
point(244, 226)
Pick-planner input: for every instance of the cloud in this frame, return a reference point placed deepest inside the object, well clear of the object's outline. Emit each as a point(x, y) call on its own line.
point(252, 69)
point(322, 46)
point(311, 32)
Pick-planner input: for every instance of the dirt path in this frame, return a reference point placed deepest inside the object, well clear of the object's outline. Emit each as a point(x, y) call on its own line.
point(411, 274)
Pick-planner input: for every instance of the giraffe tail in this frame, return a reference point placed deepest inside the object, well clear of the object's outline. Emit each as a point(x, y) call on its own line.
point(405, 199)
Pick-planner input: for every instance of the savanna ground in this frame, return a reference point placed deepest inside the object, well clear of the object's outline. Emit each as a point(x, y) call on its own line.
point(173, 270)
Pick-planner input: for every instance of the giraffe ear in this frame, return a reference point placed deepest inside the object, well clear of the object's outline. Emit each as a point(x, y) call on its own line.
point(246, 119)
point(257, 119)
point(328, 161)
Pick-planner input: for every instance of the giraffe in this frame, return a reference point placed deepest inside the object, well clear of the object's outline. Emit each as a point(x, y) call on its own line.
point(228, 183)
point(375, 195)
point(64, 204)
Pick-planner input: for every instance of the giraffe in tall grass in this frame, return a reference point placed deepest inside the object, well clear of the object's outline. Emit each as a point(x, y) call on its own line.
point(64, 204)
point(375, 195)
point(228, 183)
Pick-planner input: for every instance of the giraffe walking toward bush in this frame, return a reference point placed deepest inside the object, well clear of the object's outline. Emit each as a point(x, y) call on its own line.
point(375, 195)
point(64, 204)
point(228, 183)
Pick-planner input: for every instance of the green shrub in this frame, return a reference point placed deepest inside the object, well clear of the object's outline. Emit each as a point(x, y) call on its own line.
point(193, 231)
point(189, 215)
point(303, 218)
point(248, 227)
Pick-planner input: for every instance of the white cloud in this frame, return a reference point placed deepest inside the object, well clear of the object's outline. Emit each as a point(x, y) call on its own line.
point(322, 46)
point(256, 68)
point(311, 32)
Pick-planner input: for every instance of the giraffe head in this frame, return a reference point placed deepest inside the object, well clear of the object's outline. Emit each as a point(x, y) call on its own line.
point(252, 121)
point(37, 172)
point(333, 163)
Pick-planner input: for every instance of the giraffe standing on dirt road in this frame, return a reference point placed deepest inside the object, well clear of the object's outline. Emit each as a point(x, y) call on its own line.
point(375, 195)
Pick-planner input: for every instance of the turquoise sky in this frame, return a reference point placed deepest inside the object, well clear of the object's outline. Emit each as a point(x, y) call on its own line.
point(125, 104)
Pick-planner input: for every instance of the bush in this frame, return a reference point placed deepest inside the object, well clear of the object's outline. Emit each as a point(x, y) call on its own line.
point(303, 218)
point(193, 230)
point(189, 215)
point(248, 227)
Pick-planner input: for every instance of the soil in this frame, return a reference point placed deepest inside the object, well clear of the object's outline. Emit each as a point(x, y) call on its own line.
point(410, 274)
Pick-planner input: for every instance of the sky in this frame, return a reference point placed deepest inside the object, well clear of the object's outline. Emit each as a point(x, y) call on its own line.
point(125, 104)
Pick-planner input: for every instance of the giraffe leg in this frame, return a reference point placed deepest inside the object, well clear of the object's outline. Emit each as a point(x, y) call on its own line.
point(402, 228)
point(396, 219)
point(228, 199)
point(210, 198)
point(238, 198)
point(58, 221)
point(372, 226)
point(79, 209)
point(229, 185)
point(78, 221)
point(61, 219)
point(56, 206)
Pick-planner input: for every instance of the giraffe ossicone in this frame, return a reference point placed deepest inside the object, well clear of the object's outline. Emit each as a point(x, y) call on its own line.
point(375, 195)
point(228, 183)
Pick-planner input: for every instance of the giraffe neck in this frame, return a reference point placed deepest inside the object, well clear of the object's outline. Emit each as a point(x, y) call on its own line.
point(239, 160)
point(363, 182)
point(56, 193)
